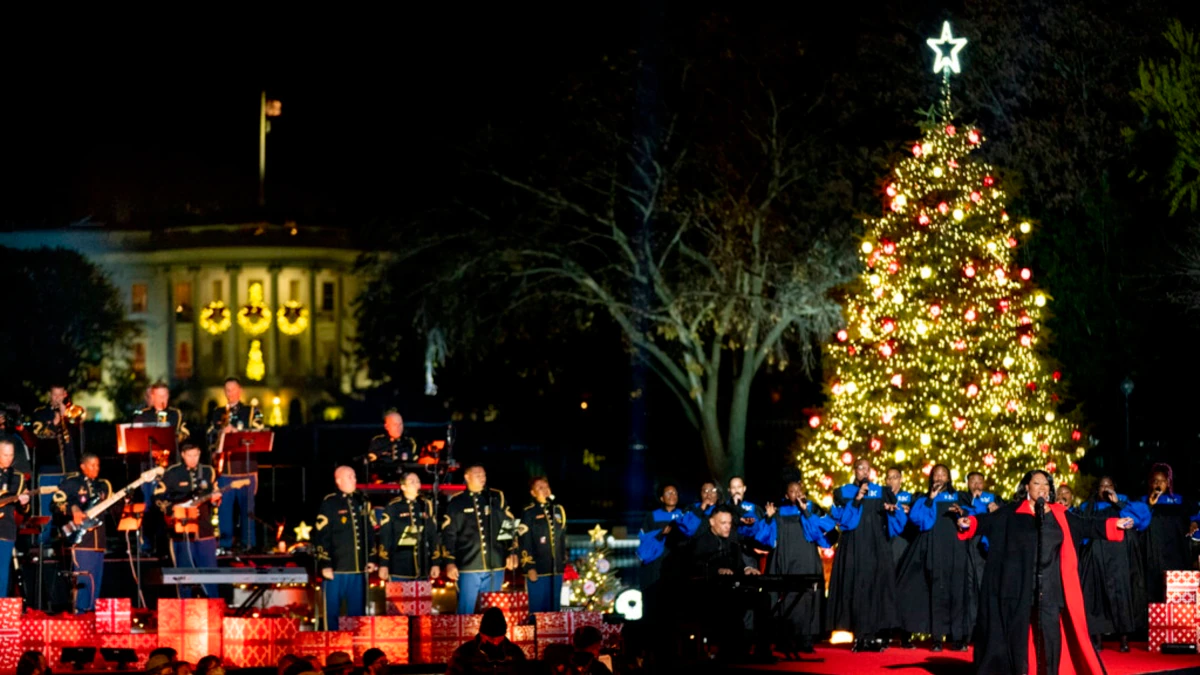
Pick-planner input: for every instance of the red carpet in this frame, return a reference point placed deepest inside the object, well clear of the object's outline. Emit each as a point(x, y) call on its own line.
point(839, 660)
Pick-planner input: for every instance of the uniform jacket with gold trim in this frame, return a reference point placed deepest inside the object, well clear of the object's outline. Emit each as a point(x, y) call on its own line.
point(543, 538)
point(470, 529)
point(344, 537)
point(408, 538)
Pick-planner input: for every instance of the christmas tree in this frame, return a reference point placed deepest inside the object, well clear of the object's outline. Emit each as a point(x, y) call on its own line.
point(592, 580)
point(942, 357)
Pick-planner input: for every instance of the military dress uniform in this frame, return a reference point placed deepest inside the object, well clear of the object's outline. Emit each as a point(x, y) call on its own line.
point(344, 540)
point(12, 482)
point(180, 484)
point(470, 531)
point(152, 525)
point(408, 539)
point(542, 536)
point(87, 557)
point(56, 454)
point(236, 467)
point(388, 455)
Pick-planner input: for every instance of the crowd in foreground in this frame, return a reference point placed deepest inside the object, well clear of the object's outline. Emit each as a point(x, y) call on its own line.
point(963, 566)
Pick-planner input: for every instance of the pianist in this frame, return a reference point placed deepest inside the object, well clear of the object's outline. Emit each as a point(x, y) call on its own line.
point(714, 555)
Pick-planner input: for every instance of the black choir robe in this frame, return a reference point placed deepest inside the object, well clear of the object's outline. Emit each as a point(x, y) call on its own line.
point(934, 584)
point(1114, 591)
point(1164, 543)
point(901, 542)
point(1003, 631)
point(862, 586)
point(797, 537)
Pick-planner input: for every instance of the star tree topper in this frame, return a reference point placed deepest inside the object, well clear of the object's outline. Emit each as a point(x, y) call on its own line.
point(597, 533)
point(943, 61)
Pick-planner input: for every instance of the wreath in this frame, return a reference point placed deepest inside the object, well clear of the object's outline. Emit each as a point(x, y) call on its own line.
point(255, 317)
point(293, 318)
point(215, 317)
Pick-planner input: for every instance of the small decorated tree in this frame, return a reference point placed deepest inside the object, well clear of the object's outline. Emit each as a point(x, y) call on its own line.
point(593, 584)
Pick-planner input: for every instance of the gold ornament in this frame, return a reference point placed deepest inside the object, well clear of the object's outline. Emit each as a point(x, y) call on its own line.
point(597, 534)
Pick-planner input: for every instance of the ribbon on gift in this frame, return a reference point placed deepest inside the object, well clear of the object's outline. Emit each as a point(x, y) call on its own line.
point(192, 627)
point(387, 633)
point(114, 616)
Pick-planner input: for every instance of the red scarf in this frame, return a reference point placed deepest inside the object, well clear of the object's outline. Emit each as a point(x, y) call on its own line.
point(1078, 655)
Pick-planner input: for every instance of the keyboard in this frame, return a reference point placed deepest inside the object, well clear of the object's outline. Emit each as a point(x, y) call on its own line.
point(234, 575)
point(773, 583)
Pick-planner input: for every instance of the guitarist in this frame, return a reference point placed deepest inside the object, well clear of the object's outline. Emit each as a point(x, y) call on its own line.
point(12, 482)
point(183, 483)
point(76, 494)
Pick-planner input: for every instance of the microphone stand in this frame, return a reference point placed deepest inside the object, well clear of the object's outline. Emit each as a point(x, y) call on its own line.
point(1039, 512)
point(366, 506)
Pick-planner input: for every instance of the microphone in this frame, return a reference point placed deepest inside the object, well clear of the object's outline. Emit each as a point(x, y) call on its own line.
point(1040, 510)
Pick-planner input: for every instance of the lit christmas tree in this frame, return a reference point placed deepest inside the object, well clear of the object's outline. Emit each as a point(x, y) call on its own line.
point(593, 580)
point(942, 356)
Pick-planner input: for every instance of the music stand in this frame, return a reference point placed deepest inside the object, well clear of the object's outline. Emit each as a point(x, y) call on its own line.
point(245, 443)
point(146, 439)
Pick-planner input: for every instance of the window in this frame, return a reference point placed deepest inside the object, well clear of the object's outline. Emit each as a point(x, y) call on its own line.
point(183, 360)
point(183, 301)
point(294, 352)
point(139, 357)
point(140, 299)
point(294, 290)
point(328, 356)
point(218, 355)
point(218, 290)
point(327, 290)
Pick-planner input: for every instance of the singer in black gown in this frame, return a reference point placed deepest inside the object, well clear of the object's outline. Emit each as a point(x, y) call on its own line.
point(798, 530)
point(1164, 542)
point(1004, 630)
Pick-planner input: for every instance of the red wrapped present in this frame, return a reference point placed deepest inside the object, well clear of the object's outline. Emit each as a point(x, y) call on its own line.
point(322, 643)
point(10, 633)
point(141, 643)
point(612, 635)
point(192, 627)
point(1172, 615)
point(113, 616)
point(420, 639)
point(389, 633)
point(564, 624)
point(508, 602)
point(1183, 580)
point(49, 634)
point(448, 631)
point(1159, 636)
point(524, 637)
point(257, 642)
point(409, 598)
point(1181, 596)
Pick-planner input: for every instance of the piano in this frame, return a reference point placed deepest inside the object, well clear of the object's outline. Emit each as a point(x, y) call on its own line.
point(186, 576)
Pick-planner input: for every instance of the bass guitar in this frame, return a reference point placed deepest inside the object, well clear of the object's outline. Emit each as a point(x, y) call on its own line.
point(74, 533)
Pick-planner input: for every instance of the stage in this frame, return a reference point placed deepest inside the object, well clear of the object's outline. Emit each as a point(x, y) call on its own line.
point(839, 660)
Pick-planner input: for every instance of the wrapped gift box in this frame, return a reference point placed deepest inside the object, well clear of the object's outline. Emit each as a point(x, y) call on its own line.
point(524, 637)
point(141, 643)
point(1183, 580)
point(10, 633)
point(1181, 596)
point(113, 616)
point(409, 598)
point(1158, 636)
point(564, 624)
point(191, 627)
point(508, 602)
point(612, 635)
point(1172, 615)
point(257, 642)
point(322, 643)
point(389, 633)
point(420, 639)
point(49, 634)
point(448, 631)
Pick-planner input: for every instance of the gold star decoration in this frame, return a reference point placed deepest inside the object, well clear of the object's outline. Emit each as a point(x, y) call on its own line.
point(597, 534)
point(303, 531)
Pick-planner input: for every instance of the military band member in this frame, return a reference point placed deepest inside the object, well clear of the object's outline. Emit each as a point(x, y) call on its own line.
point(158, 412)
point(473, 554)
point(59, 431)
point(181, 484)
point(235, 416)
point(391, 450)
point(542, 535)
point(12, 429)
point(408, 535)
point(79, 492)
point(12, 483)
point(343, 541)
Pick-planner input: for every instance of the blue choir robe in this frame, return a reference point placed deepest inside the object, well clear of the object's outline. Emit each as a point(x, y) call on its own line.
point(862, 585)
point(657, 554)
point(1111, 573)
point(934, 584)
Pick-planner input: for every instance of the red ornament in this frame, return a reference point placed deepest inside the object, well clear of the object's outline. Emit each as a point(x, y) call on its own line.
point(1051, 467)
point(953, 164)
point(837, 388)
point(851, 350)
point(847, 458)
point(976, 197)
point(876, 444)
point(893, 267)
point(885, 349)
point(959, 423)
point(917, 150)
point(1076, 435)
point(842, 335)
point(935, 311)
point(886, 417)
point(960, 344)
point(878, 292)
point(872, 259)
point(888, 247)
point(969, 315)
point(969, 271)
point(922, 219)
point(836, 426)
point(1045, 448)
point(944, 208)
point(989, 460)
point(826, 481)
point(973, 137)
point(1074, 467)
point(972, 390)
point(1002, 305)
point(1057, 375)
point(1026, 340)
point(927, 469)
point(897, 380)
point(1000, 273)
point(1012, 242)
point(1026, 273)
point(1012, 406)
point(814, 421)
point(891, 190)
point(1031, 386)
point(888, 325)
point(998, 377)
point(950, 130)
point(989, 181)
point(569, 573)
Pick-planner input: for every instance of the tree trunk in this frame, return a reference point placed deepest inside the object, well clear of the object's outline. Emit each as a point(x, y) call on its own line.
point(739, 406)
point(714, 446)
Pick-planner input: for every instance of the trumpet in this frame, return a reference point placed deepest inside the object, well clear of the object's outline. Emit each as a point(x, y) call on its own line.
point(72, 413)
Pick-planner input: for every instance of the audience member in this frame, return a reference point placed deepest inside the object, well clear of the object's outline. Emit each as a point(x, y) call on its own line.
point(490, 651)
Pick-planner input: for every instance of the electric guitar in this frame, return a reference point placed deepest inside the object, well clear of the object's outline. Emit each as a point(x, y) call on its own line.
point(196, 501)
point(44, 490)
point(91, 518)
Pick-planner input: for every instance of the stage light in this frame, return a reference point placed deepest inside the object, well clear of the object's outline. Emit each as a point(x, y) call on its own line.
point(629, 604)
